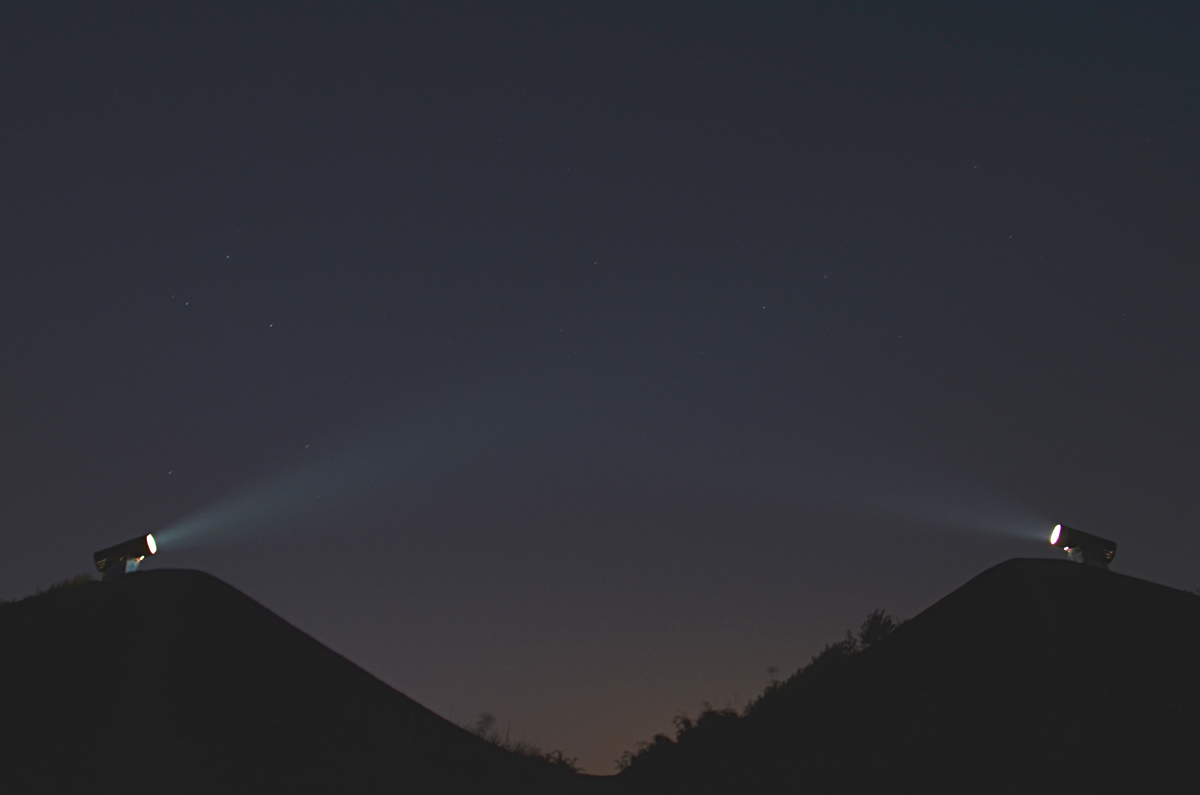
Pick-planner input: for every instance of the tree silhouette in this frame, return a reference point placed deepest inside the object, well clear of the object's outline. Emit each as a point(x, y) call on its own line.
point(877, 627)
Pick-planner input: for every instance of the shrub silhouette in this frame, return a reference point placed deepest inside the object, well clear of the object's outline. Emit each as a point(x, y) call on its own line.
point(485, 727)
point(877, 627)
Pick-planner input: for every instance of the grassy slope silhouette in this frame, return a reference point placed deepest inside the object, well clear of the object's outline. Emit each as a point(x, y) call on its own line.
point(1036, 676)
point(174, 681)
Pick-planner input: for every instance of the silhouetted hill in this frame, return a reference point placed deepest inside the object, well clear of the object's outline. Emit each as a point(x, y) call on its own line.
point(1036, 676)
point(172, 681)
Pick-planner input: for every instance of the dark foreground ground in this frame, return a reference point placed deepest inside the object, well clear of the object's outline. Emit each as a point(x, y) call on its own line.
point(1036, 676)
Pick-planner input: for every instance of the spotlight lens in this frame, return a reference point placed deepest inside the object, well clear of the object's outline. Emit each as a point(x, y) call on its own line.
point(153, 547)
point(1055, 534)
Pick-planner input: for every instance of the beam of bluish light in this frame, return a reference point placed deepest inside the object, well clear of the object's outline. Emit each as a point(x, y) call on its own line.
point(568, 431)
point(292, 499)
point(888, 482)
point(392, 459)
point(948, 504)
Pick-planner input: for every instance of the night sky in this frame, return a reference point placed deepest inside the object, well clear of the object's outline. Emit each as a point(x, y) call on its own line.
point(577, 363)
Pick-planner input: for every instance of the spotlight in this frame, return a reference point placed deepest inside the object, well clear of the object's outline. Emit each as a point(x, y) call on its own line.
point(1084, 547)
point(124, 558)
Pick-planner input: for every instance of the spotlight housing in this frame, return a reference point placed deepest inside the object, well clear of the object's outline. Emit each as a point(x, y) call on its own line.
point(124, 557)
point(1084, 547)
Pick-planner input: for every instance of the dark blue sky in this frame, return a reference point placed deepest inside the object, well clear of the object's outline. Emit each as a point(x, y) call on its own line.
point(577, 362)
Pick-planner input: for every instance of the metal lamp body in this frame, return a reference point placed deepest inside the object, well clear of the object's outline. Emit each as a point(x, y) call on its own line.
point(1084, 547)
point(124, 558)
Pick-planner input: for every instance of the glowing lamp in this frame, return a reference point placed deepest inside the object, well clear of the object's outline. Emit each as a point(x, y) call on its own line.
point(1083, 547)
point(125, 557)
